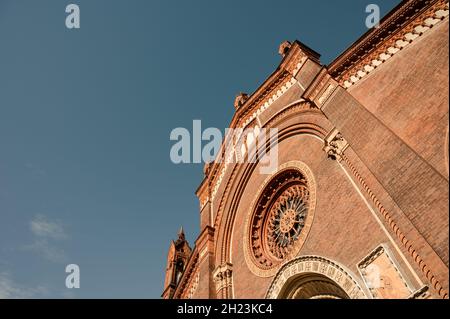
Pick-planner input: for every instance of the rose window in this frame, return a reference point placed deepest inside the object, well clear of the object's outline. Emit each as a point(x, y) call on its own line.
point(279, 218)
point(286, 220)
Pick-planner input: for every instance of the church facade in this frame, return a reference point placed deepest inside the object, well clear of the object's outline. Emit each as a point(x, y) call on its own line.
point(357, 206)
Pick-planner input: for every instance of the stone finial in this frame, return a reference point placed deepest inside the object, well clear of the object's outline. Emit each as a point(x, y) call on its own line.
point(181, 235)
point(284, 48)
point(240, 100)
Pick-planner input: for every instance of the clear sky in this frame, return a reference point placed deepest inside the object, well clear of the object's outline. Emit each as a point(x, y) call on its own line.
point(85, 118)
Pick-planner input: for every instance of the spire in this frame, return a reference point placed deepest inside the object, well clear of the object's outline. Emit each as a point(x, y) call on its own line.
point(177, 260)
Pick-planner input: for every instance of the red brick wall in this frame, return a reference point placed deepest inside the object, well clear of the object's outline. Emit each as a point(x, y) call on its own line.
point(396, 123)
point(409, 94)
point(342, 230)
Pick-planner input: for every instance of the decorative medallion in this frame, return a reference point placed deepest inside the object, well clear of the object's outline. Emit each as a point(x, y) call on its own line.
point(282, 214)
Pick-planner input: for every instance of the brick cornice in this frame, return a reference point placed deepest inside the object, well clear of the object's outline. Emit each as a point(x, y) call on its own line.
point(287, 68)
point(400, 27)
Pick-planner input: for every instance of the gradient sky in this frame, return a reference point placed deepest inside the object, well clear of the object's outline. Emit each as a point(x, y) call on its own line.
point(85, 118)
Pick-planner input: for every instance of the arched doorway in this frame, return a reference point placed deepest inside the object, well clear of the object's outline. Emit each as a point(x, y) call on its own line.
point(312, 286)
point(314, 277)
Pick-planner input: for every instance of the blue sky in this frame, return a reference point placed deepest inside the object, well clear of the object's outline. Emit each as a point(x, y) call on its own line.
point(85, 118)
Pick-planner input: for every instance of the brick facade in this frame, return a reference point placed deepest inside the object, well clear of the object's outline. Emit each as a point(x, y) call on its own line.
point(372, 128)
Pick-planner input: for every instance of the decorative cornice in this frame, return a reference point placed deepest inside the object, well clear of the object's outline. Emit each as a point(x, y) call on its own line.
point(397, 30)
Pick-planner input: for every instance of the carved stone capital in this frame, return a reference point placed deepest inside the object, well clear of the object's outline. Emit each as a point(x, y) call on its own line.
point(335, 145)
point(223, 279)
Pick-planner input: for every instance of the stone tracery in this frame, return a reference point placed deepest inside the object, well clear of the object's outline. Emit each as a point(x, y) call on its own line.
point(280, 220)
point(286, 220)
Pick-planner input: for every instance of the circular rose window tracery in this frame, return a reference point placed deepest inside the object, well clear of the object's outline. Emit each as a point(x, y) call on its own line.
point(286, 220)
point(281, 217)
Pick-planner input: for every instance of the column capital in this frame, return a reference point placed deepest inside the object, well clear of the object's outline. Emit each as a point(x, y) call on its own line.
point(223, 279)
point(335, 145)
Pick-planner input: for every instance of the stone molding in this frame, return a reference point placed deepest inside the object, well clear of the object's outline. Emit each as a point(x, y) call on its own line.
point(317, 265)
point(421, 293)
